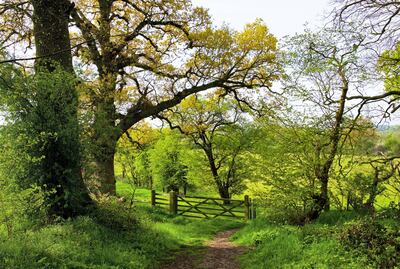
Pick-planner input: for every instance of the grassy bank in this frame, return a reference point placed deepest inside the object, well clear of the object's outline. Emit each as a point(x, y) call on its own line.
point(314, 245)
point(113, 236)
point(121, 235)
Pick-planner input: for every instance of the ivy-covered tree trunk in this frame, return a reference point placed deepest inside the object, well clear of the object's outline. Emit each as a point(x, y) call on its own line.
point(320, 200)
point(55, 114)
point(106, 134)
point(103, 161)
point(325, 194)
point(369, 204)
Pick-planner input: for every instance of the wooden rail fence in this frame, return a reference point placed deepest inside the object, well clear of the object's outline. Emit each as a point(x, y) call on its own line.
point(204, 207)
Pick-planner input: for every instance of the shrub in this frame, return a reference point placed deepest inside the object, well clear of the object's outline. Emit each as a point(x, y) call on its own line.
point(283, 246)
point(371, 238)
point(20, 209)
point(391, 212)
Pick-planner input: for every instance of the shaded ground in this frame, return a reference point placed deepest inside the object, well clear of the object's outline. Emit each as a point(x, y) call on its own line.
point(219, 253)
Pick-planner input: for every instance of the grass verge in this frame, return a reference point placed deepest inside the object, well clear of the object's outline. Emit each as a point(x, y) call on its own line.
point(314, 245)
point(114, 236)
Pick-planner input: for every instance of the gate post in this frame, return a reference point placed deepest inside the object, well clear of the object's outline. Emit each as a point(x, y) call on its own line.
point(253, 210)
point(153, 197)
point(173, 203)
point(246, 207)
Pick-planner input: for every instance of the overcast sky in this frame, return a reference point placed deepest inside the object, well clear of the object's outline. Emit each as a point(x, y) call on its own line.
point(284, 17)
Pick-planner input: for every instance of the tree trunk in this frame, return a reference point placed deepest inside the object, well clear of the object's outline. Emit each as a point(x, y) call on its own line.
point(223, 191)
point(321, 201)
point(104, 174)
point(150, 182)
point(325, 194)
point(106, 134)
point(185, 185)
point(104, 148)
point(123, 171)
point(50, 28)
point(369, 204)
point(60, 164)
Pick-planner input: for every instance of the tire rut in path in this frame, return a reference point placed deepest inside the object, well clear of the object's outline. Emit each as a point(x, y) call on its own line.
point(219, 253)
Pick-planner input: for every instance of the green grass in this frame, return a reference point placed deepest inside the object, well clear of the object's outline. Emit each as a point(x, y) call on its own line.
point(120, 236)
point(113, 236)
point(283, 246)
point(125, 189)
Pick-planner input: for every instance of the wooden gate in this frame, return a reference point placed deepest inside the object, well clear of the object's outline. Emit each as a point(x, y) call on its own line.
point(204, 207)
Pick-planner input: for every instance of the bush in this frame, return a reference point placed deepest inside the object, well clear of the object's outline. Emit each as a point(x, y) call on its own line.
point(369, 237)
point(391, 212)
point(114, 216)
point(20, 209)
point(40, 137)
point(283, 246)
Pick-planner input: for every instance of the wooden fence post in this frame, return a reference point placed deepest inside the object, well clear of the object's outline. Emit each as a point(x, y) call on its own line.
point(250, 208)
point(246, 207)
point(253, 210)
point(173, 203)
point(153, 197)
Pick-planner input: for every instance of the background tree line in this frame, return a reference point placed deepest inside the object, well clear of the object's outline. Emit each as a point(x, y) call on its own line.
point(213, 85)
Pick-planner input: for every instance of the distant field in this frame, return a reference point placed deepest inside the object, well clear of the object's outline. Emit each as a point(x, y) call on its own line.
point(125, 189)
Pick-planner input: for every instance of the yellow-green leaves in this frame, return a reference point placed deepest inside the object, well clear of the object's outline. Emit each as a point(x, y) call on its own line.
point(389, 63)
point(256, 36)
point(247, 57)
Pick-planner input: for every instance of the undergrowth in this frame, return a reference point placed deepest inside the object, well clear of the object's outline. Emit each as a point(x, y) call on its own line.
point(316, 245)
point(113, 236)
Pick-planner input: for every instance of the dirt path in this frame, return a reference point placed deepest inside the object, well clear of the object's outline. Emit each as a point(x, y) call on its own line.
point(218, 253)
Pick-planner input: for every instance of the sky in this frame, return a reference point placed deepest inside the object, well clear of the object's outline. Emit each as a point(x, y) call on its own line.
point(283, 17)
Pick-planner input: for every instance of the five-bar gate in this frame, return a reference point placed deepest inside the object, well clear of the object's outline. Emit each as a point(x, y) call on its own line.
point(204, 207)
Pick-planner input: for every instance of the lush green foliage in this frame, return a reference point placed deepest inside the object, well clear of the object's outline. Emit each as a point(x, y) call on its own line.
point(388, 63)
point(165, 59)
point(113, 236)
point(41, 137)
point(168, 170)
point(311, 246)
point(378, 242)
point(132, 162)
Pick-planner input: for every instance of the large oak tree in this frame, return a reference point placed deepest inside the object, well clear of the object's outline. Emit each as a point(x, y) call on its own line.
point(61, 161)
point(139, 58)
point(43, 110)
point(149, 56)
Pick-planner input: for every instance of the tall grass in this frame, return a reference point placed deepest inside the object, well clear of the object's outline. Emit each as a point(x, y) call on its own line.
point(311, 246)
point(114, 236)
